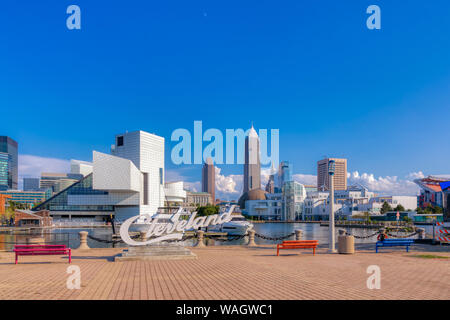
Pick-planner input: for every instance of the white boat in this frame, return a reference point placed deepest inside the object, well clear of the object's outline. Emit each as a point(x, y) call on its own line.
point(238, 226)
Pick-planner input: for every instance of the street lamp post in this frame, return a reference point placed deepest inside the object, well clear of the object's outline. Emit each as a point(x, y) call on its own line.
point(331, 169)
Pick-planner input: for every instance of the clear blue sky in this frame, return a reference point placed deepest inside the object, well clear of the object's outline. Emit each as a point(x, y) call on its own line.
point(309, 68)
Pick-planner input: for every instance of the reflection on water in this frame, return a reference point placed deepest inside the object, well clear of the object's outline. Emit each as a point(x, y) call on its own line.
point(66, 236)
point(69, 237)
point(311, 231)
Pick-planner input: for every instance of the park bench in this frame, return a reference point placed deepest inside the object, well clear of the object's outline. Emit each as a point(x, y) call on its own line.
point(394, 243)
point(40, 250)
point(298, 244)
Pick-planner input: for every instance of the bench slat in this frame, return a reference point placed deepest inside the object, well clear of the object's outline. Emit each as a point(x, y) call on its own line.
point(394, 243)
point(30, 250)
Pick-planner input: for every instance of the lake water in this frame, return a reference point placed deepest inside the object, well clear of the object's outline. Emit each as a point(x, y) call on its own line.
point(69, 237)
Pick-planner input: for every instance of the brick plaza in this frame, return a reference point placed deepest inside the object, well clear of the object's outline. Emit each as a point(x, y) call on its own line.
point(231, 272)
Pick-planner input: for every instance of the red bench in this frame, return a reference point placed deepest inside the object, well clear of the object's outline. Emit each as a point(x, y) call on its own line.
point(298, 244)
point(42, 250)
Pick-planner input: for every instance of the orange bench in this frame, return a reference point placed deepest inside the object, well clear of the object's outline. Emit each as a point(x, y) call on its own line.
point(298, 244)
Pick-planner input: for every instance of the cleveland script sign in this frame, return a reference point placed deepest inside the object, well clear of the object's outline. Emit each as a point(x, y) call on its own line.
point(173, 230)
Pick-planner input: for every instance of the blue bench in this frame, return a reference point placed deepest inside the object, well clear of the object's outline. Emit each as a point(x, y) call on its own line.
point(394, 243)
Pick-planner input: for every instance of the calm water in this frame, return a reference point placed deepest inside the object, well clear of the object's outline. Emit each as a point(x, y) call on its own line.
point(69, 237)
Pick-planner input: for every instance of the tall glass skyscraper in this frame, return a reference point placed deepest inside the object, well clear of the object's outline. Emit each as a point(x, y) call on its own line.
point(285, 173)
point(8, 164)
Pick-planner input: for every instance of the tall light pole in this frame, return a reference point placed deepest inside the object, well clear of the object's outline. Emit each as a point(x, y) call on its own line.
point(331, 240)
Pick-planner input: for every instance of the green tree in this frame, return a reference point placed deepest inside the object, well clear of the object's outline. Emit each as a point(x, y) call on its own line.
point(399, 208)
point(437, 209)
point(385, 208)
point(207, 210)
point(407, 219)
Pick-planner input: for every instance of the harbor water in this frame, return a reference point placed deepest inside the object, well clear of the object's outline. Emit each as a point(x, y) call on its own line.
point(70, 237)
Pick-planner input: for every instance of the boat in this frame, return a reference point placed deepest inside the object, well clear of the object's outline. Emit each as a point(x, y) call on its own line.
point(238, 226)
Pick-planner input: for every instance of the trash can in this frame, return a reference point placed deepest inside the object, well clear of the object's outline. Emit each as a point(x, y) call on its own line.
point(346, 243)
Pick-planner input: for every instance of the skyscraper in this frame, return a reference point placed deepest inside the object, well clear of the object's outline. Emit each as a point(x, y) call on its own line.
point(252, 165)
point(340, 174)
point(270, 186)
point(284, 173)
point(31, 184)
point(8, 163)
point(146, 151)
point(208, 179)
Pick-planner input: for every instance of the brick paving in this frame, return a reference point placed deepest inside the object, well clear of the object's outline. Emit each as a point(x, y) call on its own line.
point(231, 272)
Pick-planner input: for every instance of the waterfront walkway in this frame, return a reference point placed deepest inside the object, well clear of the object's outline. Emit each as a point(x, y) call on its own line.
point(232, 272)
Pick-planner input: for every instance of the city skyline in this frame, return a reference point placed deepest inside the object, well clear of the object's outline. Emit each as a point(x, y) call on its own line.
point(225, 184)
point(331, 86)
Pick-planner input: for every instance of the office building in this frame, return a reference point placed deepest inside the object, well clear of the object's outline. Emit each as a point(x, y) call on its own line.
point(252, 165)
point(31, 184)
point(431, 192)
point(62, 184)
point(267, 206)
point(340, 174)
point(49, 180)
point(79, 167)
point(174, 193)
point(445, 186)
point(310, 188)
point(355, 201)
point(270, 186)
point(407, 202)
point(9, 163)
point(284, 173)
point(195, 199)
point(208, 178)
point(128, 182)
point(30, 198)
point(294, 194)
point(271, 183)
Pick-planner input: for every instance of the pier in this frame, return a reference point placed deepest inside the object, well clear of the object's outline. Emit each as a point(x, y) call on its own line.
point(233, 272)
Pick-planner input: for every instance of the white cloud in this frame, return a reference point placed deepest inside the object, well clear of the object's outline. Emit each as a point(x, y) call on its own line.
point(228, 185)
point(389, 185)
point(33, 166)
point(415, 175)
point(193, 186)
point(307, 179)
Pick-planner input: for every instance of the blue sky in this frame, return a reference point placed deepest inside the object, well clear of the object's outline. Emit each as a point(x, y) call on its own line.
point(308, 68)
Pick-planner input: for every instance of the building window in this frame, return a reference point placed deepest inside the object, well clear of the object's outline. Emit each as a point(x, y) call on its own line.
point(120, 141)
point(161, 176)
point(145, 188)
